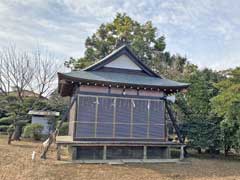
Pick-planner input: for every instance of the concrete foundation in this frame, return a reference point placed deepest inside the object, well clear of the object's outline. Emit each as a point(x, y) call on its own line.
point(124, 161)
point(120, 152)
point(105, 152)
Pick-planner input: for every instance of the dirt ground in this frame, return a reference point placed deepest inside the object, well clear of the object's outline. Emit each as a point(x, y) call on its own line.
point(16, 163)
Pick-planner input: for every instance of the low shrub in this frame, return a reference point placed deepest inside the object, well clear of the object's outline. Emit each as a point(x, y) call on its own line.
point(64, 129)
point(6, 120)
point(10, 129)
point(33, 131)
point(4, 128)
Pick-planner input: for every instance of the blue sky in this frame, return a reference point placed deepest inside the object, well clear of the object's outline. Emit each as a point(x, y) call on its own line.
point(207, 32)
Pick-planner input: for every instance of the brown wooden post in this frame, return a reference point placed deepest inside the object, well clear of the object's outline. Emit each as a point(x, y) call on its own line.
point(58, 152)
point(174, 122)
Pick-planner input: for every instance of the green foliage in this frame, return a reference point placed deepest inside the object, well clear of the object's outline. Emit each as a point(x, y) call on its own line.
point(160, 44)
point(201, 91)
point(63, 131)
point(208, 113)
point(210, 95)
point(80, 63)
point(58, 103)
point(33, 131)
point(229, 93)
point(10, 129)
point(16, 110)
point(227, 105)
point(200, 126)
point(228, 132)
point(4, 128)
point(2, 111)
point(123, 30)
point(7, 120)
point(141, 38)
point(204, 133)
point(230, 127)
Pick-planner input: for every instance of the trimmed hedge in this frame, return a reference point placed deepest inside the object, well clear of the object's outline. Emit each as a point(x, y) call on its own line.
point(4, 128)
point(6, 120)
point(33, 131)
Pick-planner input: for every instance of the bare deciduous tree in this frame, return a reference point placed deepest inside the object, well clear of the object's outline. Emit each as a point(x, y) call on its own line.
point(16, 71)
point(45, 72)
point(21, 71)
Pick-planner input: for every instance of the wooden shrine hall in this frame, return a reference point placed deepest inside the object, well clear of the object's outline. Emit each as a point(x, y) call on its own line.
point(118, 110)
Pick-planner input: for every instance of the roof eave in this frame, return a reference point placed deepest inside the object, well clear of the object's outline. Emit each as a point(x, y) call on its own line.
point(84, 80)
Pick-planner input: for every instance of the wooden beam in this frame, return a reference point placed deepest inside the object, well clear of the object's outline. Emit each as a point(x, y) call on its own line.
point(174, 121)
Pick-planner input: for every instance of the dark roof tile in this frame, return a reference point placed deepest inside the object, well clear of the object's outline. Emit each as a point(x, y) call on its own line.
point(122, 78)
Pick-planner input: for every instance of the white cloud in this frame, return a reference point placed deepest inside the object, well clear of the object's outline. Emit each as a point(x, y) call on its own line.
point(202, 30)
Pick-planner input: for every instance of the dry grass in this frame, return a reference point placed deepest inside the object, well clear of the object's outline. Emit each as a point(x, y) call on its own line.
point(16, 163)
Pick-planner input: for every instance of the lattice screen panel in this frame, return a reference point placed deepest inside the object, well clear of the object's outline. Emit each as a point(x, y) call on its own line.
point(119, 118)
point(86, 116)
point(104, 123)
point(123, 118)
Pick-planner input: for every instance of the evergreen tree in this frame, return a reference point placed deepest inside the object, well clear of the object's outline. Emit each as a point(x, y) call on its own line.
point(227, 105)
point(141, 38)
point(200, 126)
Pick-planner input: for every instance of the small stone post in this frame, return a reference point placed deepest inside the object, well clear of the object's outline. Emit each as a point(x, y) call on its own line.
point(104, 152)
point(144, 152)
point(74, 152)
point(182, 153)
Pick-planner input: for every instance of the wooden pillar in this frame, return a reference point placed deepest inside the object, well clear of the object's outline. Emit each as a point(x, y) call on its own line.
point(74, 152)
point(131, 121)
point(114, 116)
point(144, 152)
point(174, 121)
point(168, 152)
point(96, 117)
point(58, 152)
point(148, 118)
point(182, 152)
point(104, 152)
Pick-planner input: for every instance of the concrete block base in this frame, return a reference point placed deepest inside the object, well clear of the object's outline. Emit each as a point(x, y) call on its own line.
point(102, 153)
